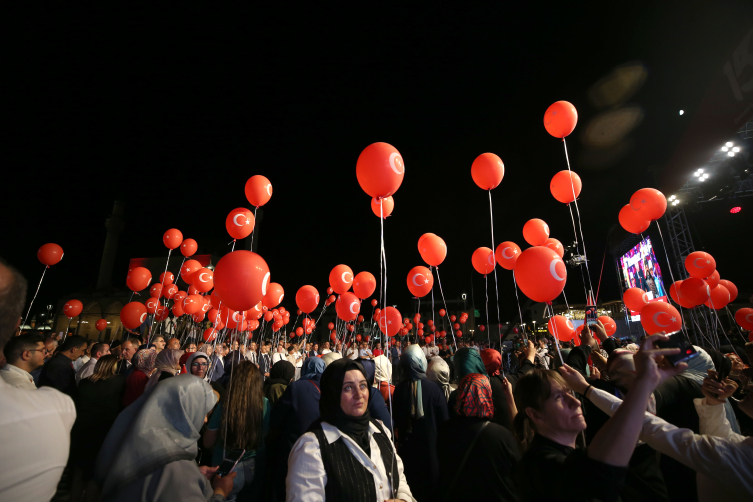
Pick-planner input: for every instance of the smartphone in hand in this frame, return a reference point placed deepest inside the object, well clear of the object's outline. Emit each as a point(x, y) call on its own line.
point(230, 461)
point(676, 340)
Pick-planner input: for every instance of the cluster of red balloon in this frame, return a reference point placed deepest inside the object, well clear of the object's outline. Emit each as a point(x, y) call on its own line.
point(646, 205)
point(656, 316)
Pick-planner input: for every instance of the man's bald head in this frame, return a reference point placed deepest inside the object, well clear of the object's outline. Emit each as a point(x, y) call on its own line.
point(12, 300)
point(173, 343)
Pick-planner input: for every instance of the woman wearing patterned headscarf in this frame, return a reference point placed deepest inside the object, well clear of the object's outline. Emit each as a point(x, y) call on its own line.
point(166, 365)
point(489, 450)
point(137, 380)
point(419, 406)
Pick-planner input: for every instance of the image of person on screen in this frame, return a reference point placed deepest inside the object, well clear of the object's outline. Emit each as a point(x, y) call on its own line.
point(639, 277)
point(650, 282)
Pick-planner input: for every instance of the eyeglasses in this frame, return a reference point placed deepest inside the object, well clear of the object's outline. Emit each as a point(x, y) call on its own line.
point(38, 350)
point(199, 365)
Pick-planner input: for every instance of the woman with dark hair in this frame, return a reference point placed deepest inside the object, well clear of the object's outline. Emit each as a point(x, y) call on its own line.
point(280, 376)
point(501, 383)
point(419, 406)
point(471, 443)
point(550, 419)
point(137, 380)
point(98, 403)
point(346, 455)
point(241, 424)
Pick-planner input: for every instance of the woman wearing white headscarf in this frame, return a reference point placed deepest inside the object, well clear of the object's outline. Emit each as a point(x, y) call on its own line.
point(439, 373)
point(149, 453)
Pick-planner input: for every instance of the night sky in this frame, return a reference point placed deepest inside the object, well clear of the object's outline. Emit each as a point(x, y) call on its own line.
point(172, 111)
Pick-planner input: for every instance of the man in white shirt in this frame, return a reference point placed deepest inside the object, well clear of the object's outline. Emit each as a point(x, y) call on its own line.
point(78, 363)
point(325, 348)
point(87, 370)
point(352, 351)
point(365, 352)
point(279, 355)
point(35, 427)
point(433, 350)
point(24, 354)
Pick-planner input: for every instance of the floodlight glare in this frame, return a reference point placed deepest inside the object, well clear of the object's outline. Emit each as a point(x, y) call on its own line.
point(728, 143)
point(696, 174)
point(731, 154)
point(725, 148)
point(736, 149)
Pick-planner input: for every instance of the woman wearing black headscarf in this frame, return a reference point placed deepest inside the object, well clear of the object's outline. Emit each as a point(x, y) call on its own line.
point(419, 406)
point(346, 455)
point(280, 376)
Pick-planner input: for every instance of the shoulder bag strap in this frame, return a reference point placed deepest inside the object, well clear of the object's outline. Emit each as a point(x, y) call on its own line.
point(314, 384)
point(465, 459)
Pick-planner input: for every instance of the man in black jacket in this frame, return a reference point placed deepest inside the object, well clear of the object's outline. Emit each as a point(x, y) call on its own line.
point(58, 372)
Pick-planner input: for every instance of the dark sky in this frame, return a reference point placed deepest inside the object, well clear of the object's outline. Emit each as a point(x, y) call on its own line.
point(172, 111)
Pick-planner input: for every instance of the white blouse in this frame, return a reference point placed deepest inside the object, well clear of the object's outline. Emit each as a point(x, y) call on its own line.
point(307, 478)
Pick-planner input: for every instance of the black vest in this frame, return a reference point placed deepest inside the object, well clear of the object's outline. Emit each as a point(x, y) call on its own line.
point(347, 479)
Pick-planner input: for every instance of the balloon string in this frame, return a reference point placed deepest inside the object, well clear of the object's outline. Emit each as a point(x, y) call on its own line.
point(554, 328)
point(669, 266)
point(66, 330)
point(254, 230)
point(35, 297)
point(496, 284)
point(577, 210)
point(734, 323)
point(575, 232)
point(488, 323)
point(446, 313)
point(384, 260)
point(517, 299)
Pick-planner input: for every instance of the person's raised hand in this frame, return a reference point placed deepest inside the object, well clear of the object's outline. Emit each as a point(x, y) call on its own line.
point(650, 365)
point(595, 373)
point(586, 338)
point(717, 392)
point(599, 330)
point(508, 389)
point(573, 379)
point(223, 485)
point(529, 351)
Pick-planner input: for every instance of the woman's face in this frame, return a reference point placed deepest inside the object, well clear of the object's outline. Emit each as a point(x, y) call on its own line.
point(737, 363)
point(354, 398)
point(562, 411)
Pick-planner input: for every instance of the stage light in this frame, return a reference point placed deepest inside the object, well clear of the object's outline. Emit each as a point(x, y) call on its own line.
point(701, 179)
point(700, 170)
point(728, 144)
point(682, 112)
point(672, 197)
point(725, 148)
point(731, 154)
point(696, 174)
point(736, 149)
point(735, 210)
point(705, 175)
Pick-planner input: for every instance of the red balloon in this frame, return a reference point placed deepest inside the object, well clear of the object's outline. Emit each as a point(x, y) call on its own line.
point(333, 336)
point(203, 280)
point(192, 304)
point(299, 331)
point(744, 317)
point(420, 281)
point(700, 264)
point(609, 325)
point(179, 296)
point(676, 294)
point(193, 291)
point(432, 249)
point(177, 309)
point(188, 247)
point(172, 238)
point(487, 171)
point(268, 316)
point(648, 204)
point(236, 320)
point(540, 273)
point(374, 302)
point(635, 299)
point(155, 291)
point(101, 325)
point(380, 170)
point(50, 254)
point(483, 260)
point(456, 325)
point(536, 232)
point(383, 207)
point(138, 279)
point(453, 318)
point(730, 287)
point(351, 328)
point(660, 316)
point(459, 334)
point(166, 278)
point(347, 307)
point(555, 246)
point(188, 269)
point(240, 223)
point(198, 316)
point(213, 316)
point(561, 327)
point(169, 291)
point(390, 321)
point(364, 285)
point(712, 280)
point(241, 279)
point(566, 186)
point(719, 298)
point(274, 295)
point(507, 254)
point(258, 190)
point(631, 220)
point(560, 119)
point(307, 299)
point(442, 312)
point(695, 290)
point(151, 305)
point(341, 279)
point(330, 290)
point(133, 315)
point(72, 308)
point(210, 334)
point(330, 300)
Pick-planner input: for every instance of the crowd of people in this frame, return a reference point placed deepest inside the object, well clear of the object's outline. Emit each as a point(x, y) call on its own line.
point(154, 418)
